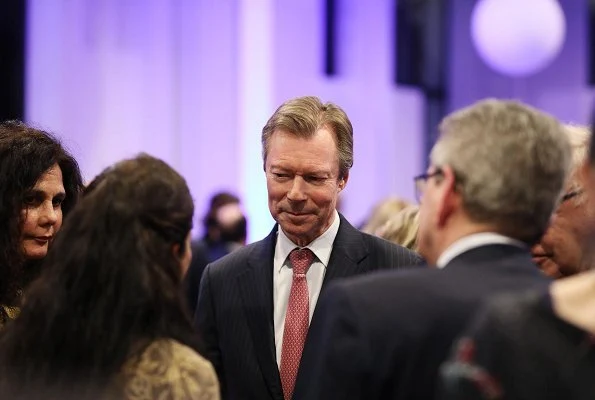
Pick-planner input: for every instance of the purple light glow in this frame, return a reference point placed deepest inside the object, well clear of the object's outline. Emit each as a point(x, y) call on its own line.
point(518, 38)
point(193, 82)
point(560, 89)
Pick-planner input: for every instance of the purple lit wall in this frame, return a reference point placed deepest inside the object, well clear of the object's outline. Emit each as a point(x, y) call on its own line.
point(560, 89)
point(387, 120)
point(193, 82)
point(114, 78)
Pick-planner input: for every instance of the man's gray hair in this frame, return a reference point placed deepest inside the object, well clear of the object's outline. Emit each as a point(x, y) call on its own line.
point(511, 162)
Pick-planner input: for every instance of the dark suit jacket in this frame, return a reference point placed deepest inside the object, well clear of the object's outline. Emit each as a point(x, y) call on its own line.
point(525, 352)
point(235, 306)
point(384, 336)
point(203, 253)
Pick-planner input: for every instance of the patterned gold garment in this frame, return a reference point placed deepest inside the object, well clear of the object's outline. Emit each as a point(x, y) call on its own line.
point(8, 312)
point(168, 370)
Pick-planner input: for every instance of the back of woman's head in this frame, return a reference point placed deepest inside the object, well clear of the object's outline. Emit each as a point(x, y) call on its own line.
point(382, 212)
point(402, 227)
point(131, 217)
point(111, 281)
point(26, 154)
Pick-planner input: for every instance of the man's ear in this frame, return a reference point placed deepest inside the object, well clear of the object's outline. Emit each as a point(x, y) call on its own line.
point(448, 197)
point(343, 181)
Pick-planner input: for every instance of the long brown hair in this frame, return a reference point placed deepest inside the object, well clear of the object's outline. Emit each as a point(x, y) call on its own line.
point(110, 286)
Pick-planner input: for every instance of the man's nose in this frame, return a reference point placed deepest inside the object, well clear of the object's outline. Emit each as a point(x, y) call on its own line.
point(297, 192)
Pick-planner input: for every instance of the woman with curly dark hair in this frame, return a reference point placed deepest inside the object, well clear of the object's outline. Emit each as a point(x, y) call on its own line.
point(107, 318)
point(40, 183)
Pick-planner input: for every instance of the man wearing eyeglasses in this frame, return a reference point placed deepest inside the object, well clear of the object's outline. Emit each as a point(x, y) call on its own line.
point(496, 174)
point(562, 251)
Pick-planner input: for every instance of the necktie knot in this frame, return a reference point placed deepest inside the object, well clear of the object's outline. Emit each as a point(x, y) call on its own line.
point(301, 259)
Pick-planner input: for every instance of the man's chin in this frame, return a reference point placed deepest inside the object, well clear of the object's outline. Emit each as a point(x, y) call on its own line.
point(299, 234)
point(297, 221)
point(294, 229)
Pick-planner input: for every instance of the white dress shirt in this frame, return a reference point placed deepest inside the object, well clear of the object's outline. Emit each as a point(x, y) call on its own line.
point(283, 275)
point(473, 241)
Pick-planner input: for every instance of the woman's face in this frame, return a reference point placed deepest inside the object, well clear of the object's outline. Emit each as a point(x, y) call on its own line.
point(42, 213)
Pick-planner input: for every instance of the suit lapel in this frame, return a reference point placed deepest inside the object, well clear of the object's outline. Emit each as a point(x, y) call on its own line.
point(349, 250)
point(256, 288)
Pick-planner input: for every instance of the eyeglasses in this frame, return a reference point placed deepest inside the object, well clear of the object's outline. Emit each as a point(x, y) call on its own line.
point(421, 181)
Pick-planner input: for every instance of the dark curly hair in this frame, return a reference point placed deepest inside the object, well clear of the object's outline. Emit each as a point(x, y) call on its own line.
point(109, 287)
point(26, 154)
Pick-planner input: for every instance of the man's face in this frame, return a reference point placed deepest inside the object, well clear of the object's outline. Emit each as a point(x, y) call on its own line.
point(565, 249)
point(303, 183)
point(430, 194)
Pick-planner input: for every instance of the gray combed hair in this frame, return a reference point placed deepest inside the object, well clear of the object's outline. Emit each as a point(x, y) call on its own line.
point(511, 162)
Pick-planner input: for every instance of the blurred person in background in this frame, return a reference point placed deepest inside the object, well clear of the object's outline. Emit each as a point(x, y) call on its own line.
point(561, 251)
point(381, 213)
point(537, 345)
point(225, 230)
point(485, 199)
point(40, 183)
point(224, 225)
point(402, 227)
point(106, 319)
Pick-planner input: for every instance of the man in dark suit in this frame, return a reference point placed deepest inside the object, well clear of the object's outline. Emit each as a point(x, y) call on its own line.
point(255, 304)
point(495, 176)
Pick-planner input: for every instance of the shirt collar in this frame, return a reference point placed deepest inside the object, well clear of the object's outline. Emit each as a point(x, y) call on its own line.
point(321, 246)
point(472, 241)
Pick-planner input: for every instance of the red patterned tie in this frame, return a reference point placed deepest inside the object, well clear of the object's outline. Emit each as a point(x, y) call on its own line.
point(296, 320)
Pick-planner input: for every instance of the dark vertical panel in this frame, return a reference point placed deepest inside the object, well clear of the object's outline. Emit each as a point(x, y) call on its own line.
point(435, 76)
point(409, 36)
point(421, 56)
point(330, 37)
point(12, 59)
